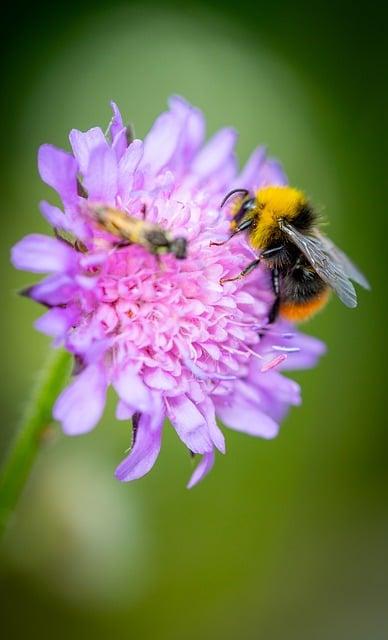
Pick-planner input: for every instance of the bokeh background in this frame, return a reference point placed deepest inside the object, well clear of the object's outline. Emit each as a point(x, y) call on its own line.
point(286, 538)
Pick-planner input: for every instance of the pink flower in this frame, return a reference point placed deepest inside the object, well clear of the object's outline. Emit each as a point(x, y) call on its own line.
point(168, 337)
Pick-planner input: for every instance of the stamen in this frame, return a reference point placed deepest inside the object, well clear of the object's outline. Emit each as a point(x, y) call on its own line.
point(273, 363)
point(270, 332)
point(232, 350)
point(253, 353)
point(203, 375)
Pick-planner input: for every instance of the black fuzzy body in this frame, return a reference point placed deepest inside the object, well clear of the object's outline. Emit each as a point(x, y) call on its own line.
point(299, 283)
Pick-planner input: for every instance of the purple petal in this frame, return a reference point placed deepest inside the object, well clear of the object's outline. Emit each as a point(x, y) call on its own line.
point(54, 216)
point(58, 169)
point(123, 411)
point(241, 414)
point(101, 175)
point(42, 254)
point(202, 469)
point(132, 390)
point(189, 424)
point(159, 379)
point(127, 167)
point(145, 450)
point(271, 173)
point(68, 221)
point(89, 340)
point(54, 290)
point(221, 179)
point(84, 144)
point(120, 143)
point(249, 176)
point(311, 350)
point(57, 321)
point(116, 124)
point(206, 407)
point(278, 388)
point(215, 153)
point(81, 404)
point(130, 160)
point(274, 393)
point(193, 126)
point(160, 143)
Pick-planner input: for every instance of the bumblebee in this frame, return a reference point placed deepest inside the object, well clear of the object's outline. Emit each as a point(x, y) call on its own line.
point(131, 230)
point(304, 264)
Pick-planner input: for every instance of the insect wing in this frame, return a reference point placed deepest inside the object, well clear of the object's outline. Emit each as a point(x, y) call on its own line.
point(349, 268)
point(324, 262)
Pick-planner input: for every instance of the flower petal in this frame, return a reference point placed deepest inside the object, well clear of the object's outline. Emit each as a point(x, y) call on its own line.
point(250, 174)
point(215, 153)
point(241, 414)
point(189, 424)
point(54, 216)
point(192, 124)
point(271, 173)
point(132, 390)
point(127, 167)
point(120, 142)
point(65, 221)
point(276, 390)
point(130, 159)
point(42, 254)
point(56, 321)
point(310, 351)
point(159, 379)
point(101, 175)
point(116, 124)
point(160, 143)
point(202, 469)
point(84, 144)
point(123, 411)
point(145, 450)
point(223, 177)
point(206, 407)
point(58, 169)
point(81, 404)
point(54, 290)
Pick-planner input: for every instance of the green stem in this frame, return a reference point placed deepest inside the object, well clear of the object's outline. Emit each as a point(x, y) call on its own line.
point(25, 447)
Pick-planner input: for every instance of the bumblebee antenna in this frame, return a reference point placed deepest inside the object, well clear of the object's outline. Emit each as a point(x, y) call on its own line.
point(231, 193)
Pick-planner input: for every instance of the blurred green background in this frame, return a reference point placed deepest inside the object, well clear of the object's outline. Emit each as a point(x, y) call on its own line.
point(286, 538)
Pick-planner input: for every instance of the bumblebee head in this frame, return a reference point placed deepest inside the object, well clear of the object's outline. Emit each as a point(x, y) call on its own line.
point(242, 210)
point(244, 215)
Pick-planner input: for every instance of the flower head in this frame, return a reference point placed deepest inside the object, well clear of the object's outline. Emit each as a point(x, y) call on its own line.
point(172, 341)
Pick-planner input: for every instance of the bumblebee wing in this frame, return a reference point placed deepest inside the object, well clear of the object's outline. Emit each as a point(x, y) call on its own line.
point(325, 263)
point(349, 268)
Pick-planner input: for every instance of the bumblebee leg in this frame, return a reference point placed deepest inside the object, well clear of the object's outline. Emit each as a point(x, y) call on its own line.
point(268, 253)
point(276, 289)
point(251, 266)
